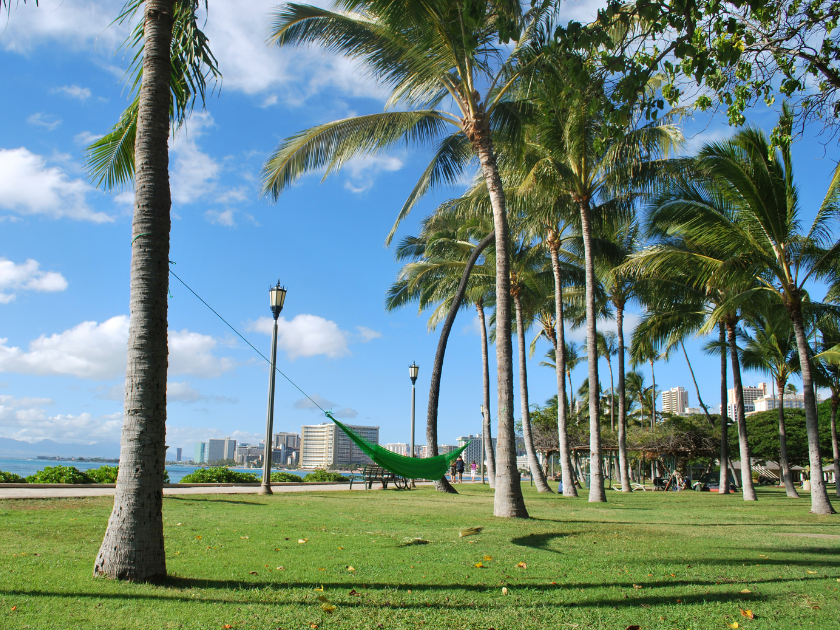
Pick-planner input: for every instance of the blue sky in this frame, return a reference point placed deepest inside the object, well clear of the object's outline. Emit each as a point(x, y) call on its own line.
point(65, 246)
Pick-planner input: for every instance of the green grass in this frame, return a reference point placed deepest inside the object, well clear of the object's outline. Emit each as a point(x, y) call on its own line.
point(655, 560)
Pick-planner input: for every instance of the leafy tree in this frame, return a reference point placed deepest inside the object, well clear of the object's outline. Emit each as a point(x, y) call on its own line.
point(764, 434)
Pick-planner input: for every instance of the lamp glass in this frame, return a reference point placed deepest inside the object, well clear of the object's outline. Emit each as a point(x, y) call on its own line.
point(276, 296)
point(412, 370)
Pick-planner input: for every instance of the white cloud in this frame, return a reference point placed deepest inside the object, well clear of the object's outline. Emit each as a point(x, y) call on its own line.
point(24, 419)
point(221, 217)
point(368, 334)
point(306, 403)
point(184, 392)
point(72, 91)
point(194, 173)
point(29, 186)
point(86, 137)
point(27, 277)
point(186, 436)
point(98, 352)
point(306, 336)
point(47, 121)
point(11, 401)
point(347, 412)
point(363, 171)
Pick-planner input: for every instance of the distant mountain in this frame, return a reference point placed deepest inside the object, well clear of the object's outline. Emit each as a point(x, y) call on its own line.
point(17, 448)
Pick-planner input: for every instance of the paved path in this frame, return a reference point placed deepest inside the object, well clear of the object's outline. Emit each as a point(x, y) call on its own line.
point(35, 492)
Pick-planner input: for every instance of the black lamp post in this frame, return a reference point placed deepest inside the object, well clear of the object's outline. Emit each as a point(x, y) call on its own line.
point(276, 297)
point(412, 374)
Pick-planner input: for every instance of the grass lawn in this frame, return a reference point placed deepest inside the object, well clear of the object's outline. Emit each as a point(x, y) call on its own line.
point(678, 560)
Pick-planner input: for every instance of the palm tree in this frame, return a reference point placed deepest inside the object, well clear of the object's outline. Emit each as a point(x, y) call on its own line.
point(747, 213)
point(133, 547)
point(608, 348)
point(443, 267)
point(573, 359)
point(489, 453)
point(639, 353)
point(772, 348)
point(426, 52)
point(827, 369)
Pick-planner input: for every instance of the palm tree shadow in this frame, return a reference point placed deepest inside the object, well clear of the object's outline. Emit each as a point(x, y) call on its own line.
point(539, 541)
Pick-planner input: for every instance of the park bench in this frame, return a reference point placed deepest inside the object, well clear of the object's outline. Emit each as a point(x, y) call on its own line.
point(373, 473)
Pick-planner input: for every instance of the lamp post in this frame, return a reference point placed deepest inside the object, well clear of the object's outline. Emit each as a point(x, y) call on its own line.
point(481, 436)
point(276, 297)
point(412, 374)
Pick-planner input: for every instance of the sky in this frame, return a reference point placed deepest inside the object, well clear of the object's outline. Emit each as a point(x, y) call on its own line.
point(65, 247)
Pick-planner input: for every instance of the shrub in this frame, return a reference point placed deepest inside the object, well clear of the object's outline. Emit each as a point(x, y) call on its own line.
point(60, 474)
point(285, 477)
point(104, 474)
point(8, 477)
point(219, 474)
point(324, 475)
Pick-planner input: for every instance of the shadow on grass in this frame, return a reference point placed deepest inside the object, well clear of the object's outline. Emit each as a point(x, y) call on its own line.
point(540, 541)
point(181, 498)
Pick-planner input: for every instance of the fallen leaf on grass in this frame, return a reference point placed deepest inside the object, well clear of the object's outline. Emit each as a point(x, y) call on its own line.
point(321, 569)
point(302, 540)
point(354, 593)
point(487, 558)
point(469, 531)
point(198, 537)
point(812, 572)
point(320, 588)
point(747, 613)
point(341, 547)
point(478, 565)
point(281, 568)
point(522, 565)
point(328, 608)
point(634, 628)
point(746, 590)
point(734, 625)
point(351, 568)
point(252, 572)
point(244, 537)
point(14, 607)
point(504, 590)
point(227, 626)
point(313, 625)
point(637, 586)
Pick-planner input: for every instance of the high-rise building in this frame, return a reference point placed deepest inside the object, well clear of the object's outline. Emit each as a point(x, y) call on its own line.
point(200, 453)
point(178, 454)
point(473, 452)
point(289, 440)
point(249, 453)
point(675, 400)
point(771, 401)
point(325, 445)
point(751, 394)
point(221, 449)
point(400, 448)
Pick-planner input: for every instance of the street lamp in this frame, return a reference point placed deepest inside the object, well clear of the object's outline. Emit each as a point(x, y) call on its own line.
point(412, 374)
point(276, 297)
point(481, 436)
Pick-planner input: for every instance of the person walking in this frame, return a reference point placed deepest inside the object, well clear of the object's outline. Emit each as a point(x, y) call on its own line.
point(459, 468)
point(473, 468)
point(452, 472)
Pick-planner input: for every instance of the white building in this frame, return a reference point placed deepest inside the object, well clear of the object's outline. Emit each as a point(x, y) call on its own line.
point(249, 453)
point(473, 452)
point(325, 445)
point(675, 400)
point(767, 403)
point(751, 394)
point(220, 449)
point(400, 448)
point(694, 411)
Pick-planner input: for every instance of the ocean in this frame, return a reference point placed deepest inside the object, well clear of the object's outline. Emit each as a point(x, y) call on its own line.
point(24, 467)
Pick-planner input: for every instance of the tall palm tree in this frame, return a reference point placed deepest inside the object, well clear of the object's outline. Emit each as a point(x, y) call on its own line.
point(444, 266)
point(602, 173)
point(747, 212)
point(164, 71)
point(636, 389)
point(608, 348)
point(426, 52)
point(489, 451)
point(772, 348)
point(828, 371)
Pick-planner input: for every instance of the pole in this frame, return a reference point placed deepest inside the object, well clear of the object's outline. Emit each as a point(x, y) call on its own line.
point(412, 418)
point(265, 486)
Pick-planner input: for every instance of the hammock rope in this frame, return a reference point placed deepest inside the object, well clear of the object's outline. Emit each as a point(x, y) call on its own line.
point(408, 467)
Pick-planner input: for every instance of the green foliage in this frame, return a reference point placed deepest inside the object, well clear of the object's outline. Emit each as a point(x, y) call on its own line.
point(763, 433)
point(104, 474)
point(219, 474)
point(9, 477)
point(324, 475)
point(60, 474)
point(286, 477)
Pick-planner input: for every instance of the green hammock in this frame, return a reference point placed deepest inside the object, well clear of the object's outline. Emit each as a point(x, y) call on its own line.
point(408, 467)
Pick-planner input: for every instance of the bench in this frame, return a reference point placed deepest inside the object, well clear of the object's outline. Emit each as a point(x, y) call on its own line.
point(373, 473)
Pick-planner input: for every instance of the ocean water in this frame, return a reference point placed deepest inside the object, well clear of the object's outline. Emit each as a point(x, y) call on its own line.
point(24, 467)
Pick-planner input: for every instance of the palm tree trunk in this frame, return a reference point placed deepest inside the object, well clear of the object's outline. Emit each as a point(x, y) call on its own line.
point(133, 546)
point(571, 395)
point(537, 473)
point(653, 396)
point(743, 441)
point(820, 503)
point(597, 493)
point(442, 485)
point(696, 387)
point(835, 451)
point(508, 501)
point(489, 454)
point(569, 488)
point(723, 488)
point(612, 395)
point(783, 455)
point(623, 460)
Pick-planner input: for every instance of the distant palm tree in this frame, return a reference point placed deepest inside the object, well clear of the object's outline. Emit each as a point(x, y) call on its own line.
point(772, 348)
